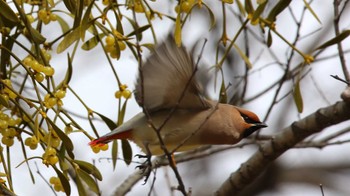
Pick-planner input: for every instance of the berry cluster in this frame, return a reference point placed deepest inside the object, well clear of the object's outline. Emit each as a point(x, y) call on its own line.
point(96, 149)
point(52, 139)
point(39, 70)
point(7, 90)
point(55, 99)
point(49, 156)
point(123, 92)
point(56, 182)
point(7, 129)
point(46, 16)
point(111, 46)
point(185, 6)
point(31, 142)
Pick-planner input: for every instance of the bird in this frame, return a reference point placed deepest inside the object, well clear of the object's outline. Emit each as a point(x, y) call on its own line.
point(175, 106)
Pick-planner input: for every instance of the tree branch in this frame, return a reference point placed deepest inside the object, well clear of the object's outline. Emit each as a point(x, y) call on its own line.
point(282, 142)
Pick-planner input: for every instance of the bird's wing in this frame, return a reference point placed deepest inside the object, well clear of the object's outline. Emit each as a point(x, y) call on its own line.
point(165, 75)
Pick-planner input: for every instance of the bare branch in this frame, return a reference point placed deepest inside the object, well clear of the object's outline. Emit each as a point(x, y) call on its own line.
point(282, 142)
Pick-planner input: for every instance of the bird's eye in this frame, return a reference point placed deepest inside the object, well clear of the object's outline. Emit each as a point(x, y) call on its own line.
point(247, 119)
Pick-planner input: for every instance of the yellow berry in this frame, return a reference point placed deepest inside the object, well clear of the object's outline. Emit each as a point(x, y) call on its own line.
point(105, 2)
point(68, 129)
point(4, 116)
point(55, 142)
point(42, 14)
point(27, 61)
point(28, 141)
point(47, 97)
point(53, 160)
point(39, 77)
point(12, 132)
point(50, 151)
point(122, 45)
point(109, 48)
point(95, 149)
point(186, 6)
point(49, 71)
point(6, 133)
point(46, 19)
point(36, 66)
point(32, 142)
point(47, 55)
point(54, 180)
point(126, 94)
point(110, 40)
point(52, 101)
point(11, 121)
point(104, 147)
point(3, 124)
point(114, 54)
point(53, 17)
point(57, 187)
point(8, 141)
point(60, 94)
point(33, 146)
point(18, 121)
point(118, 94)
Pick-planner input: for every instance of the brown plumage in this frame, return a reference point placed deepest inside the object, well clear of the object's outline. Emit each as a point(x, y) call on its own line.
point(196, 121)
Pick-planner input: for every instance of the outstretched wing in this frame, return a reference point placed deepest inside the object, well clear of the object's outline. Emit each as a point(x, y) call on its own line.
point(165, 76)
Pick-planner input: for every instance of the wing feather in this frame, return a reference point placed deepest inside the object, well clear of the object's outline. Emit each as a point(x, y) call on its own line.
point(166, 73)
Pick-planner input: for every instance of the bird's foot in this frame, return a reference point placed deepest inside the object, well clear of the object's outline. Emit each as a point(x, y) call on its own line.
point(146, 166)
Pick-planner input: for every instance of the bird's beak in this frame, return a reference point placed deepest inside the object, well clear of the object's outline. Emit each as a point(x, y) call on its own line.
point(260, 125)
point(253, 128)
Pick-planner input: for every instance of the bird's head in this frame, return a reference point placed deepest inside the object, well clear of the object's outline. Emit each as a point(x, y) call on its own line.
point(251, 122)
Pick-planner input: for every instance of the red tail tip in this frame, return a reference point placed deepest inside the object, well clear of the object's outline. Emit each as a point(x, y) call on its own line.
point(96, 142)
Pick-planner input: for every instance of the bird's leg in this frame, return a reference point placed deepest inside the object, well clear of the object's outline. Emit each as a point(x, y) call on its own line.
point(146, 166)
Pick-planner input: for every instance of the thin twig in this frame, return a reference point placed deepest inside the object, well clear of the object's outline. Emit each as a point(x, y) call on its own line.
point(198, 153)
point(339, 44)
point(42, 177)
point(340, 79)
point(321, 187)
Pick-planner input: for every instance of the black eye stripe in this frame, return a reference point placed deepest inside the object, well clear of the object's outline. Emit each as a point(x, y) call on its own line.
point(248, 120)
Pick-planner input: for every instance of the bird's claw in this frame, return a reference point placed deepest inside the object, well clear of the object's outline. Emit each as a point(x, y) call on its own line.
point(145, 167)
point(141, 156)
